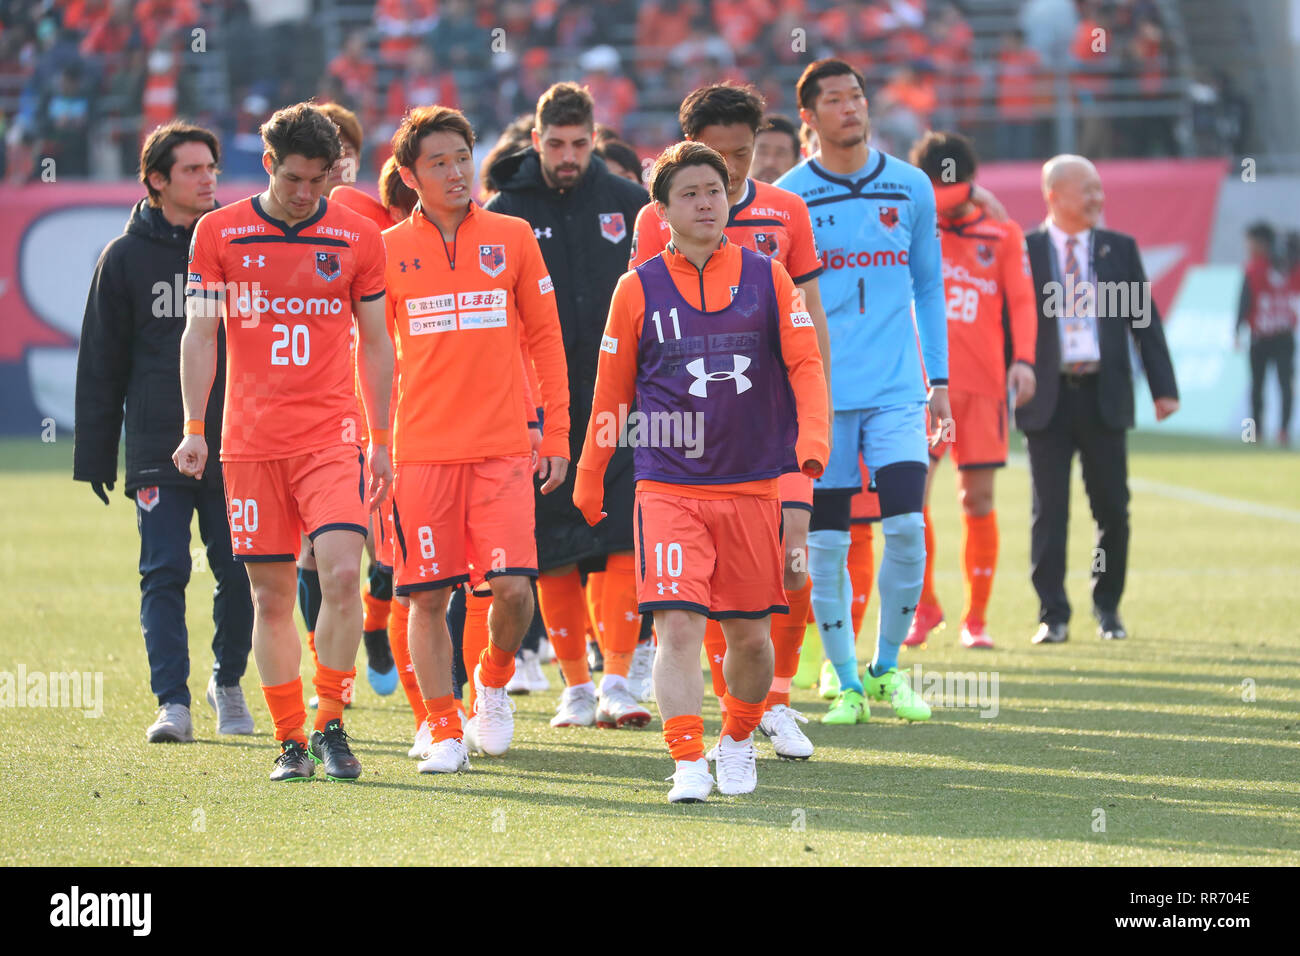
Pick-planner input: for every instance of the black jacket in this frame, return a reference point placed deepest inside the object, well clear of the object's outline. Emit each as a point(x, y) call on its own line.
point(586, 249)
point(1115, 259)
point(130, 352)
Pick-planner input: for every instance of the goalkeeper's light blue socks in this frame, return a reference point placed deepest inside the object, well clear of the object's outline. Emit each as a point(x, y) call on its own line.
point(901, 572)
point(832, 602)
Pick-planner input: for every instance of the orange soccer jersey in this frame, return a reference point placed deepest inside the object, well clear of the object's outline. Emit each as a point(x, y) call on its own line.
point(767, 220)
point(289, 296)
point(986, 278)
point(363, 203)
point(462, 313)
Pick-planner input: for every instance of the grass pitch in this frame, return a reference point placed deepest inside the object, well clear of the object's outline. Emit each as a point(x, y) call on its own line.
point(1178, 746)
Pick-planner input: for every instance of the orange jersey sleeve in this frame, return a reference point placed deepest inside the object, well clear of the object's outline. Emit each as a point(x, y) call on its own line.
point(1018, 294)
point(803, 263)
point(532, 388)
point(650, 236)
point(803, 363)
point(540, 318)
point(362, 203)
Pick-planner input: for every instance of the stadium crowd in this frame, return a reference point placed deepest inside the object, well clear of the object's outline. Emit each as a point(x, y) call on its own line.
point(84, 81)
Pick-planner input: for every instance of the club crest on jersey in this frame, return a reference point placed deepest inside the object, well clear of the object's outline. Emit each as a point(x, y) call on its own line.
point(328, 265)
point(612, 226)
point(765, 242)
point(147, 498)
point(984, 253)
point(889, 216)
point(492, 259)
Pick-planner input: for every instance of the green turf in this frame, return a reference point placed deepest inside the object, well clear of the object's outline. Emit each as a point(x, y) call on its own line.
point(1154, 732)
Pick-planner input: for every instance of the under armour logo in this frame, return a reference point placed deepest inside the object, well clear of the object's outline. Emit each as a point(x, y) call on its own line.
point(672, 586)
point(832, 625)
point(415, 264)
point(830, 221)
point(700, 387)
point(428, 570)
point(909, 610)
point(249, 261)
point(248, 543)
point(542, 233)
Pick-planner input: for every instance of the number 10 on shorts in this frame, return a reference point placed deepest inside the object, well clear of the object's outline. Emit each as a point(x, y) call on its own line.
point(672, 556)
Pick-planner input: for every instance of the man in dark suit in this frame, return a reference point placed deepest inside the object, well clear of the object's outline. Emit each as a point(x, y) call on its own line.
point(1093, 294)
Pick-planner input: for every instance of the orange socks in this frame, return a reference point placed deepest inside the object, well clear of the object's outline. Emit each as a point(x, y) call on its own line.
point(685, 737)
point(376, 612)
point(444, 718)
point(284, 701)
point(787, 641)
point(474, 640)
point(564, 609)
point(331, 685)
point(715, 646)
point(741, 717)
point(862, 567)
point(979, 560)
point(496, 666)
point(927, 585)
point(595, 587)
point(399, 616)
point(618, 613)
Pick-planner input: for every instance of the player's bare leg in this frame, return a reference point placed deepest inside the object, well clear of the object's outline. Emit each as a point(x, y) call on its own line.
point(338, 629)
point(748, 671)
point(338, 634)
point(278, 654)
point(431, 652)
point(276, 647)
point(679, 692)
point(979, 552)
point(492, 728)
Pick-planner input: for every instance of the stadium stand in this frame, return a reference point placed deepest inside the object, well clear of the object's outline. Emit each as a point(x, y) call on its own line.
point(81, 80)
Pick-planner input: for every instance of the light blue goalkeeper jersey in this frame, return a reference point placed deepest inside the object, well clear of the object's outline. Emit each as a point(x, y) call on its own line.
point(880, 250)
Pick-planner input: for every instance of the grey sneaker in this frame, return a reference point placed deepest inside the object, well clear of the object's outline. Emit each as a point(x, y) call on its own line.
point(232, 711)
point(172, 725)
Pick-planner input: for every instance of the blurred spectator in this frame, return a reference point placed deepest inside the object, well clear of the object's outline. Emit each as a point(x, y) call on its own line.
point(776, 148)
point(402, 26)
point(515, 137)
point(1049, 27)
point(242, 153)
point(613, 93)
point(354, 68)
point(660, 26)
point(1265, 310)
point(160, 18)
point(422, 84)
point(1091, 56)
point(1020, 93)
point(65, 122)
point(458, 42)
point(159, 102)
point(902, 109)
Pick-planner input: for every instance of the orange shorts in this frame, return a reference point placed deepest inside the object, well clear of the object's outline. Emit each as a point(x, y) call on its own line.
point(865, 506)
point(467, 521)
point(795, 490)
point(719, 557)
point(979, 431)
point(270, 505)
point(381, 526)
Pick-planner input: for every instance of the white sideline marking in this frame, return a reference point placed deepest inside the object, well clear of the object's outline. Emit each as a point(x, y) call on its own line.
point(1021, 460)
point(1214, 501)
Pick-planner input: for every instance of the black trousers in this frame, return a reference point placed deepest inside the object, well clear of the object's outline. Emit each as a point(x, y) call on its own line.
point(1076, 424)
point(1278, 350)
point(165, 565)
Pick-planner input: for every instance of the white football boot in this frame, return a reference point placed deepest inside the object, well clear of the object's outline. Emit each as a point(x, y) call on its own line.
point(735, 765)
point(445, 756)
point(577, 706)
point(781, 724)
point(692, 783)
point(494, 712)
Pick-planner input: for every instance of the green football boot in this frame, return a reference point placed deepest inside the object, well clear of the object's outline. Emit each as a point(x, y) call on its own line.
point(829, 685)
point(893, 687)
point(849, 708)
